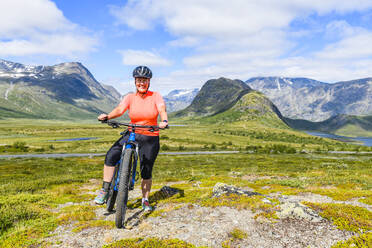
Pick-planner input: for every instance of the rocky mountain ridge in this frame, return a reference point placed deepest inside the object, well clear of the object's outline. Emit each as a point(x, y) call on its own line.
point(303, 98)
point(62, 91)
point(180, 99)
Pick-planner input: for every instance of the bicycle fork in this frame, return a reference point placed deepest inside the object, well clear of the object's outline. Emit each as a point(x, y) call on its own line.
point(134, 169)
point(130, 144)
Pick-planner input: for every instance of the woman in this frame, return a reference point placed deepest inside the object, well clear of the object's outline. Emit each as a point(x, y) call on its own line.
point(144, 106)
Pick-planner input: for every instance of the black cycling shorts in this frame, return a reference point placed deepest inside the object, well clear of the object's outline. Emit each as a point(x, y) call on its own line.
point(148, 151)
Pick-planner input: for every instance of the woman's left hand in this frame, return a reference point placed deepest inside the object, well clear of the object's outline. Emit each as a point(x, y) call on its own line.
point(163, 124)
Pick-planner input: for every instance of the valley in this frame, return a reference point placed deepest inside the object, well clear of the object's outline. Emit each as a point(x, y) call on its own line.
point(45, 199)
point(304, 190)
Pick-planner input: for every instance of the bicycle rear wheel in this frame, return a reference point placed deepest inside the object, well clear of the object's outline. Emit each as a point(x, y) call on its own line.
point(122, 198)
point(112, 193)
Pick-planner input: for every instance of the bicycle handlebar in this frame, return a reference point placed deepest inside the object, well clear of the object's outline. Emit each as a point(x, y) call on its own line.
point(116, 124)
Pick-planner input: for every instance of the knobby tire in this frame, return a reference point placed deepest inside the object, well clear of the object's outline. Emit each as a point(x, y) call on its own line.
point(112, 193)
point(122, 198)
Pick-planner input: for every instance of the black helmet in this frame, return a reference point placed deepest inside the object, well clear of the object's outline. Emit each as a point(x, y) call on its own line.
point(142, 71)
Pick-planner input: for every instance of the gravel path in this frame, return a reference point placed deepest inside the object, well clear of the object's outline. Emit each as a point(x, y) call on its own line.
point(204, 226)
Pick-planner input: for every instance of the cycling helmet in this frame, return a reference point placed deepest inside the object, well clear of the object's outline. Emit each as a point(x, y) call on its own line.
point(142, 71)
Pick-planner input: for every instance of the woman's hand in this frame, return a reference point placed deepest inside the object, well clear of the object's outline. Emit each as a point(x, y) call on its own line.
point(103, 117)
point(163, 124)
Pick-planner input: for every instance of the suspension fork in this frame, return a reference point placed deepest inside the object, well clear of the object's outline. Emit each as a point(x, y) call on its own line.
point(132, 143)
point(129, 144)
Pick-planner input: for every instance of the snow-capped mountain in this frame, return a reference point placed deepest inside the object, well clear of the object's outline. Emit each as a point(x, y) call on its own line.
point(180, 99)
point(303, 98)
point(66, 90)
point(16, 70)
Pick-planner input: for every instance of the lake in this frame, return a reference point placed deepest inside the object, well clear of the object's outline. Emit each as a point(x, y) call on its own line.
point(366, 141)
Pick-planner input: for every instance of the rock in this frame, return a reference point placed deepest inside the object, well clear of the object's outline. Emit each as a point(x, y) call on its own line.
point(222, 188)
point(165, 192)
point(298, 211)
point(196, 184)
point(235, 173)
point(168, 191)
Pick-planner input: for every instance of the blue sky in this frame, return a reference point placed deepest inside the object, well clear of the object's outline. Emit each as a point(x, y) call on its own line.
point(186, 43)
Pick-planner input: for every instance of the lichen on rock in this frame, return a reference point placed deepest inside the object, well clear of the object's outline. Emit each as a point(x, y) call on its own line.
point(222, 188)
point(298, 211)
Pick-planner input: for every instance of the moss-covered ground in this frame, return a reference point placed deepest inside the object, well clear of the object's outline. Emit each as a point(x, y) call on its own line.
point(31, 189)
point(149, 242)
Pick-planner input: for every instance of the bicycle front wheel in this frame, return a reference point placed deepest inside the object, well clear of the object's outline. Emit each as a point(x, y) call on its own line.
point(122, 198)
point(112, 193)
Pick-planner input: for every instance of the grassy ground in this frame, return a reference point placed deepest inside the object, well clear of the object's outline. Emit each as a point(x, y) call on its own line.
point(31, 189)
point(36, 186)
point(35, 136)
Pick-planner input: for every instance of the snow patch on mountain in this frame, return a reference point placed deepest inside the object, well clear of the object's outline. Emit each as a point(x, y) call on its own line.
point(180, 98)
point(309, 99)
point(183, 93)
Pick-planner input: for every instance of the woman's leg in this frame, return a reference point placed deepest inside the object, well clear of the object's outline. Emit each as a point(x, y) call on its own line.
point(108, 172)
point(146, 187)
point(149, 149)
point(112, 157)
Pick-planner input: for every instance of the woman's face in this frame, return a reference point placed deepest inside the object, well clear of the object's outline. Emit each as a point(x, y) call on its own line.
point(142, 84)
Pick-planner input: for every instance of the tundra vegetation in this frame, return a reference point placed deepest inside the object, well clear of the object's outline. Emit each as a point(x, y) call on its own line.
point(271, 160)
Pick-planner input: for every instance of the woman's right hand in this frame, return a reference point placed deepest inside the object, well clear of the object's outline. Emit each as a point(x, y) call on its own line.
point(103, 117)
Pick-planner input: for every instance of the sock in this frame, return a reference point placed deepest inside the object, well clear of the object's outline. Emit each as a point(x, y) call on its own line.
point(106, 186)
point(144, 199)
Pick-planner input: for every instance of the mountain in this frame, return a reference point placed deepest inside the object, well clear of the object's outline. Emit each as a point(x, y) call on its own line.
point(63, 91)
point(252, 106)
point(216, 96)
point(226, 101)
point(347, 125)
point(179, 99)
point(303, 98)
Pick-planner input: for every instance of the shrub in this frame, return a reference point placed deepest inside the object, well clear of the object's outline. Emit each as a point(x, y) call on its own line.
point(165, 147)
point(20, 146)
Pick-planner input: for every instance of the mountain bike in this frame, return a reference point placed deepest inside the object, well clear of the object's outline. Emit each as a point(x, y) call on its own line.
point(122, 180)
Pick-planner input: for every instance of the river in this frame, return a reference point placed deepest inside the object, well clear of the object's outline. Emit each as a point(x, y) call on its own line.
point(366, 141)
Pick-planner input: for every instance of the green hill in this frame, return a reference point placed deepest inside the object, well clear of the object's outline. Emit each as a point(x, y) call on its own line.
point(252, 106)
point(216, 96)
point(347, 125)
point(231, 101)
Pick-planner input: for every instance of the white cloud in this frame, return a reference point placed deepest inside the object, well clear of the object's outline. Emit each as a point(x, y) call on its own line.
point(39, 27)
point(136, 14)
point(218, 18)
point(187, 41)
point(242, 39)
point(140, 57)
point(355, 47)
point(66, 44)
point(215, 18)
